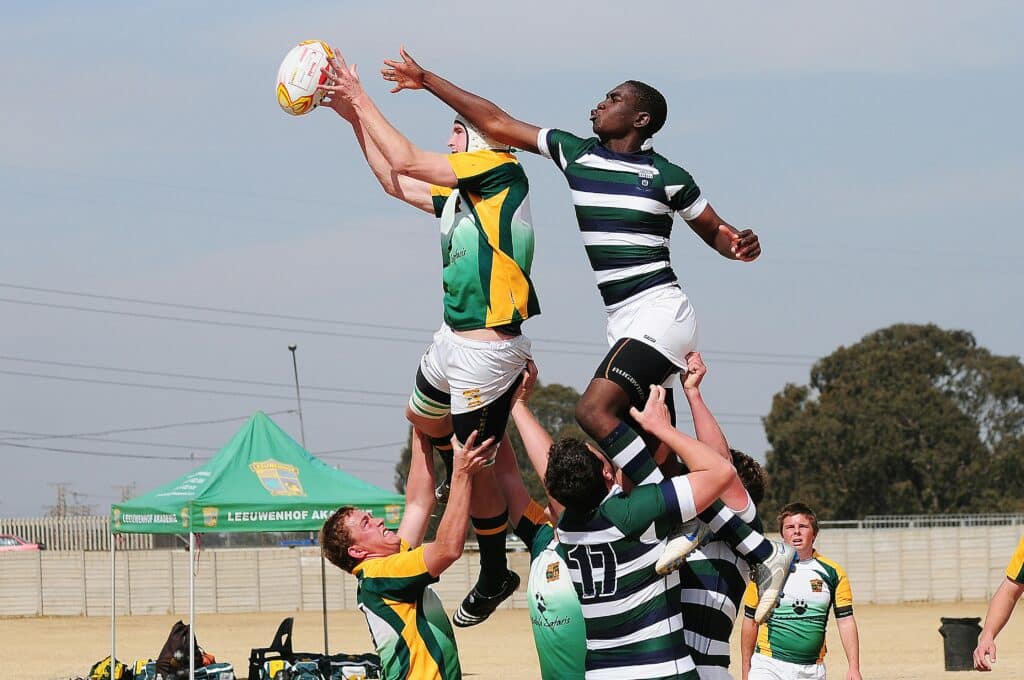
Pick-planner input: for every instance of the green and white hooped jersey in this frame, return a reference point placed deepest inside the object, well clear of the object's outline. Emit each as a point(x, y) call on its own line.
point(633, 621)
point(559, 632)
point(796, 630)
point(624, 204)
point(714, 578)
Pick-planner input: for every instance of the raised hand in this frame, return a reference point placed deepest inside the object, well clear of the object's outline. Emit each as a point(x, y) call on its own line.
point(695, 371)
point(342, 82)
point(655, 416)
point(471, 457)
point(526, 386)
point(743, 245)
point(405, 74)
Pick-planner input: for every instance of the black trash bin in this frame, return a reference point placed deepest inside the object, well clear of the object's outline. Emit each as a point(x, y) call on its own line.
point(959, 638)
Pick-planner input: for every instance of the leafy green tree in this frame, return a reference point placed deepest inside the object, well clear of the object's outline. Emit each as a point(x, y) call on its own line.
point(554, 406)
point(913, 419)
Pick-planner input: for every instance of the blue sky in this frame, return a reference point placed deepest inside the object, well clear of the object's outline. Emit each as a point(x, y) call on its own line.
point(875, 148)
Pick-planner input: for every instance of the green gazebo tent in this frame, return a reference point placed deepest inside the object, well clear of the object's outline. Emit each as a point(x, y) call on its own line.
point(262, 480)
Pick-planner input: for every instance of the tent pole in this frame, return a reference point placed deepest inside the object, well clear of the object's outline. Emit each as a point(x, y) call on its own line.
point(323, 596)
point(191, 606)
point(113, 601)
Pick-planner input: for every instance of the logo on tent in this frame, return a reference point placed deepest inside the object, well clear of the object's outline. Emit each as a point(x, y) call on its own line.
point(280, 479)
point(210, 517)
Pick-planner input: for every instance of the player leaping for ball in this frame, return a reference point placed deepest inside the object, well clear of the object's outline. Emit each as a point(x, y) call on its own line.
point(625, 195)
point(468, 375)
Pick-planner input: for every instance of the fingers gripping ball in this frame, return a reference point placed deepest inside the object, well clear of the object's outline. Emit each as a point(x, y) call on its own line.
point(300, 74)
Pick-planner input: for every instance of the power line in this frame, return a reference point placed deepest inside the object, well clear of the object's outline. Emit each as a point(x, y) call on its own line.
point(311, 319)
point(181, 187)
point(144, 428)
point(102, 454)
point(192, 376)
point(242, 381)
point(40, 435)
point(188, 458)
point(197, 390)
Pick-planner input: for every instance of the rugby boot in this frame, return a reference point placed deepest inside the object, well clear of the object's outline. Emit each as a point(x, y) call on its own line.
point(476, 607)
point(681, 543)
point(770, 576)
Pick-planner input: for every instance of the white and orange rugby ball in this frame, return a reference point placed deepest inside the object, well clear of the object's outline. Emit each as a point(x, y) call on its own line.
point(299, 75)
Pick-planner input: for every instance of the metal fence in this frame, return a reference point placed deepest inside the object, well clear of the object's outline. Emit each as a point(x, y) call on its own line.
point(72, 533)
point(927, 521)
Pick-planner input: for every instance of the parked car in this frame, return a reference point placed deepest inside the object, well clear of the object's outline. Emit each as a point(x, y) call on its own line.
point(9, 542)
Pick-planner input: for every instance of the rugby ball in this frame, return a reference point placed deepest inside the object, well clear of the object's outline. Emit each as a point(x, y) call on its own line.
point(300, 74)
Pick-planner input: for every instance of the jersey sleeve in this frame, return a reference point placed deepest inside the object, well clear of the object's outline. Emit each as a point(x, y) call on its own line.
point(683, 194)
point(400, 577)
point(438, 197)
point(561, 147)
point(750, 600)
point(534, 529)
point(1015, 569)
point(486, 172)
point(843, 596)
point(672, 500)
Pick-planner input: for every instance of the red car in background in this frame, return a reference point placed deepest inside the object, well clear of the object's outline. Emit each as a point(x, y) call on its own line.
point(9, 542)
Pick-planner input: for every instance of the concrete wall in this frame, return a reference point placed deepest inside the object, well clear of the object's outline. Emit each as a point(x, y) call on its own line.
point(885, 566)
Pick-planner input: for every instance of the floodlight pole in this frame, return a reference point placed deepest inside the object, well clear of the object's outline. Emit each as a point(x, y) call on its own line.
point(302, 433)
point(298, 397)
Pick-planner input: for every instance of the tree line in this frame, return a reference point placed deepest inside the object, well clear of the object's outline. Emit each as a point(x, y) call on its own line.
point(911, 419)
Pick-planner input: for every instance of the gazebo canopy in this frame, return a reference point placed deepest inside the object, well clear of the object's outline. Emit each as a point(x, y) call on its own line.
point(262, 480)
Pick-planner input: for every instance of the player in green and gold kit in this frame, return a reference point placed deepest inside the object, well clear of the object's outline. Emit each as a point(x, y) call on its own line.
point(791, 645)
point(467, 376)
point(559, 632)
point(999, 610)
point(409, 627)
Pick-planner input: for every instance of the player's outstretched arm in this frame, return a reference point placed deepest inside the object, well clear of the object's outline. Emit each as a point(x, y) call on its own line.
point(451, 533)
point(707, 429)
point(491, 119)
point(709, 474)
point(536, 439)
point(999, 610)
point(419, 491)
point(723, 237)
point(403, 156)
point(411, 191)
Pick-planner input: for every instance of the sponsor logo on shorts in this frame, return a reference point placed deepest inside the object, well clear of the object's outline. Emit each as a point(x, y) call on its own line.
point(472, 397)
point(650, 339)
point(641, 392)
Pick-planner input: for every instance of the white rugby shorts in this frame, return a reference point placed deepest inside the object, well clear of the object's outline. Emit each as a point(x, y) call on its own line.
point(474, 372)
point(766, 668)
point(662, 318)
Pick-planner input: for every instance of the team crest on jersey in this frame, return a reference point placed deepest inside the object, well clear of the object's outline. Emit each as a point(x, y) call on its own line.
point(280, 479)
point(643, 180)
point(816, 585)
point(552, 572)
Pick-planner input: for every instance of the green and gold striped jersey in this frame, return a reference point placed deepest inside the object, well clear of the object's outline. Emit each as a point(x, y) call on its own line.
point(796, 630)
point(1015, 569)
point(486, 242)
point(624, 204)
point(408, 624)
